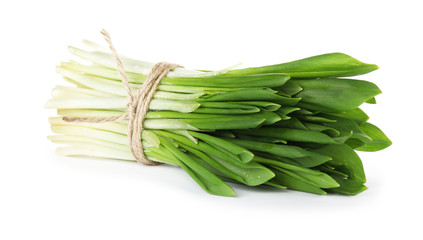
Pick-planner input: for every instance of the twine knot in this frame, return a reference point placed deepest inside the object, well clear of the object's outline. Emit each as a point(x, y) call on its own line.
point(137, 106)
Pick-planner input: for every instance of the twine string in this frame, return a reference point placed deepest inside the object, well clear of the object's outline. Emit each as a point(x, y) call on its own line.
point(137, 106)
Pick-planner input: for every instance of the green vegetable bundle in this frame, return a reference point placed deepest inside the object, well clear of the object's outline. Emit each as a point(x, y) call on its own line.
point(294, 125)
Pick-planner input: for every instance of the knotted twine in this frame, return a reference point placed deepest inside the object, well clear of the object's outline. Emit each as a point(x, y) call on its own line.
point(137, 106)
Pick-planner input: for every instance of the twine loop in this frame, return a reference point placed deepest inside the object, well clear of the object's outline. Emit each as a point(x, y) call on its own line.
point(137, 106)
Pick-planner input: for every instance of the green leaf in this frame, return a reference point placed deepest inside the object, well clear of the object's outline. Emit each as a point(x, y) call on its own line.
point(293, 122)
point(347, 129)
point(335, 95)
point(260, 138)
point(321, 180)
point(251, 95)
point(202, 146)
point(316, 177)
point(332, 132)
point(256, 80)
point(289, 88)
point(289, 134)
point(243, 154)
point(344, 157)
point(347, 186)
point(251, 174)
point(295, 182)
point(279, 158)
point(326, 65)
point(306, 162)
point(225, 123)
point(281, 150)
point(358, 115)
point(315, 119)
point(331, 171)
point(379, 139)
point(207, 180)
point(226, 162)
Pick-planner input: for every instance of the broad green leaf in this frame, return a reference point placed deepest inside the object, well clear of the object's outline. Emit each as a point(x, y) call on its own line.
point(225, 123)
point(314, 119)
point(344, 157)
point(295, 182)
point(331, 171)
point(206, 179)
point(280, 150)
point(243, 154)
point(379, 139)
point(335, 95)
point(202, 146)
point(251, 174)
point(260, 138)
point(316, 177)
point(347, 128)
point(293, 122)
point(358, 115)
point(321, 180)
point(290, 88)
point(306, 162)
point(255, 80)
point(278, 158)
point(325, 65)
point(289, 134)
point(332, 132)
point(251, 95)
point(347, 186)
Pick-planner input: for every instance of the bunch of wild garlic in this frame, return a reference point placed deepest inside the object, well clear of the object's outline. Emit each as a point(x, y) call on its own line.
point(294, 125)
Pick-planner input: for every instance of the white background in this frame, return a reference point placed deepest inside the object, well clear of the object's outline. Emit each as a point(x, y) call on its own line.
point(44, 196)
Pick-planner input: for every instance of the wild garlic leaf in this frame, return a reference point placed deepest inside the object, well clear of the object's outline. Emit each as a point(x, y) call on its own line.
point(206, 179)
point(378, 140)
point(344, 157)
point(325, 65)
point(294, 181)
point(347, 186)
point(358, 115)
point(354, 143)
point(335, 95)
point(347, 129)
point(296, 135)
point(316, 177)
